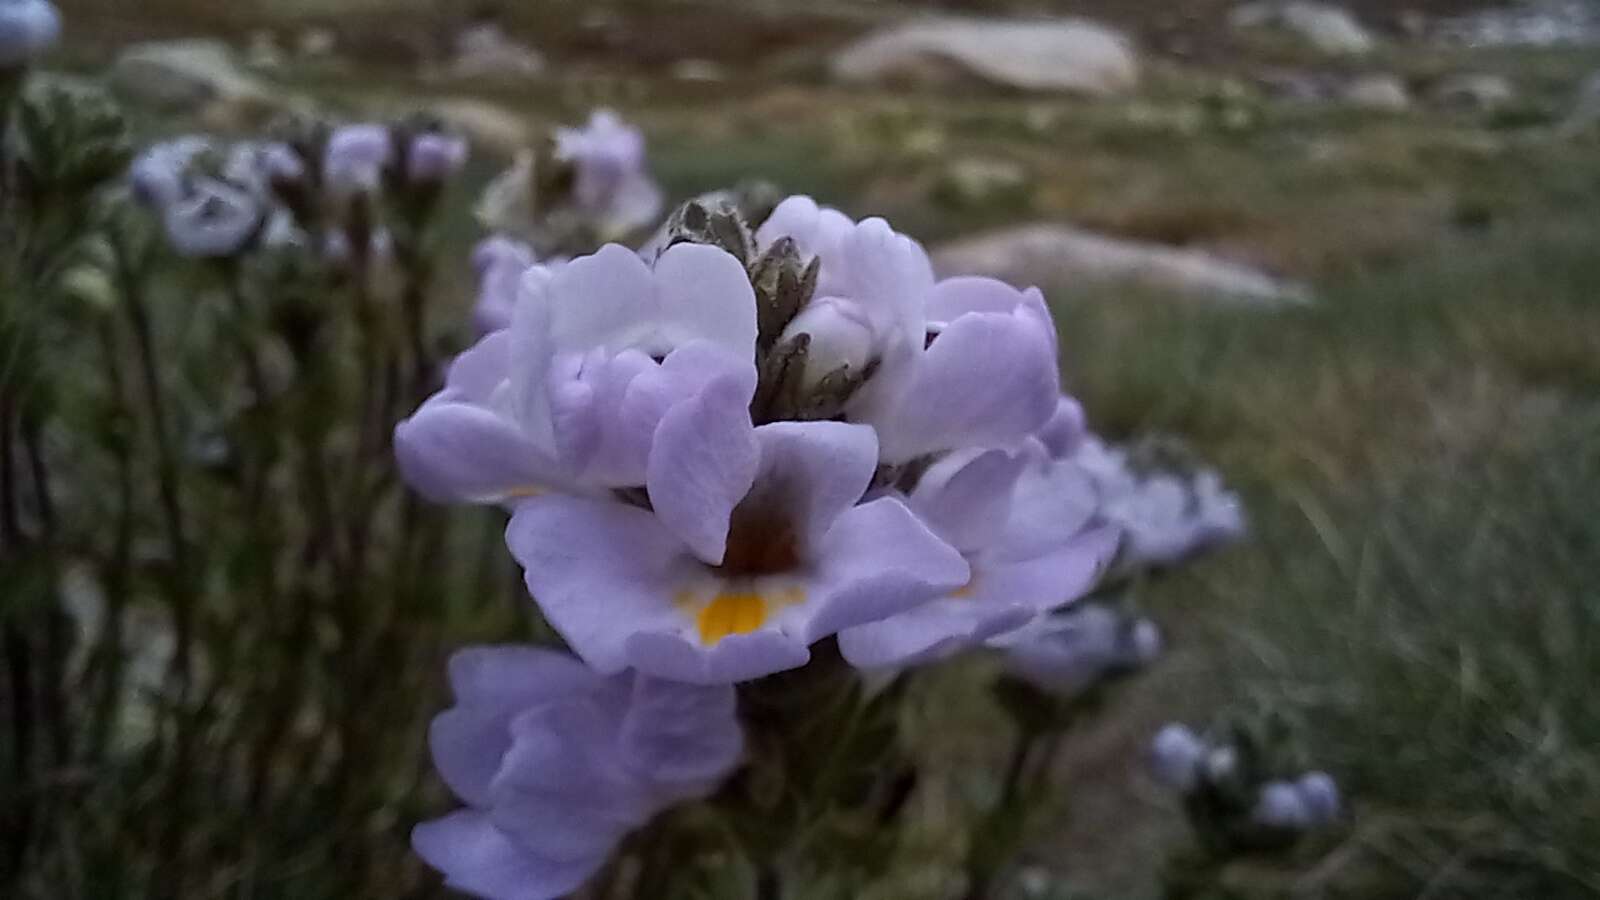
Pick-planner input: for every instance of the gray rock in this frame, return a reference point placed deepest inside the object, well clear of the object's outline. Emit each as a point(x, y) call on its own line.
point(485, 51)
point(1048, 254)
point(1532, 23)
point(1474, 91)
point(1378, 93)
point(1068, 55)
point(1331, 29)
point(185, 75)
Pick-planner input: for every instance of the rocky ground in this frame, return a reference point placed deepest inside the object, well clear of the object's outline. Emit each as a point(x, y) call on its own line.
point(1346, 252)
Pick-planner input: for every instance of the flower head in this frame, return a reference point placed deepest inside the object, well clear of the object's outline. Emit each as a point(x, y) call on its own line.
point(1073, 651)
point(1176, 753)
point(610, 184)
point(713, 464)
point(212, 202)
point(27, 29)
point(434, 156)
point(556, 764)
point(1166, 516)
point(356, 159)
point(1028, 536)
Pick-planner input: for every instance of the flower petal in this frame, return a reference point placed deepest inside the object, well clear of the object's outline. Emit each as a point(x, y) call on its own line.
point(492, 685)
point(814, 472)
point(479, 859)
point(456, 452)
point(597, 299)
point(600, 570)
point(989, 380)
point(705, 294)
point(738, 657)
point(681, 732)
point(966, 497)
point(876, 561)
point(702, 463)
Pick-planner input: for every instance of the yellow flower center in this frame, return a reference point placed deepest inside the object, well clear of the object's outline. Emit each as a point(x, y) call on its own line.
point(729, 614)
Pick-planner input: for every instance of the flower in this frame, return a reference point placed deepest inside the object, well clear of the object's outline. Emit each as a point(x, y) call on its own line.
point(1071, 652)
point(433, 156)
point(958, 363)
point(610, 184)
point(206, 210)
point(1279, 805)
point(556, 764)
point(605, 347)
point(757, 547)
point(355, 160)
point(1166, 517)
point(500, 262)
point(1176, 753)
point(27, 29)
point(1320, 794)
point(1029, 540)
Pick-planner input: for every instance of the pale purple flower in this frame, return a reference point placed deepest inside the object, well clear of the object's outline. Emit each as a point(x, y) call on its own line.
point(1166, 517)
point(1280, 805)
point(282, 164)
point(611, 185)
point(27, 29)
point(205, 211)
point(959, 363)
point(757, 547)
point(433, 156)
point(1028, 536)
point(1070, 652)
point(557, 764)
point(356, 159)
point(606, 347)
point(1320, 794)
point(500, 262)
point(158, 174)
point(1176, 753)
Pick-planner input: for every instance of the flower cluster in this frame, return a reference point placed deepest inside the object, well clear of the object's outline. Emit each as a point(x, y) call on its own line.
point(1166, 516)
point(718, 453)
point(586, 186)
point(27, 29)
point(1238, 793)
point(556, 763)
point(1072, 651)
point(217, 201)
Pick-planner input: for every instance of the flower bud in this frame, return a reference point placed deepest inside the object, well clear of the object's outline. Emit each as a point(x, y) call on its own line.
point(27, 29)
point(1143, 643)
point(1175, 755)
point(216, 219)
point(434, 157)
point(1220, 765)
point(841, 336)
point(1320, 795)
point(1280, 805)
point(356, 158)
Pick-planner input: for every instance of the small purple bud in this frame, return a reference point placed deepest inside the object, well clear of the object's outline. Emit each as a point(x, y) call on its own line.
point(1320, 794)
point(1175, 755)
point(434, 157)
point(1281, 806)
point(27, 29)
